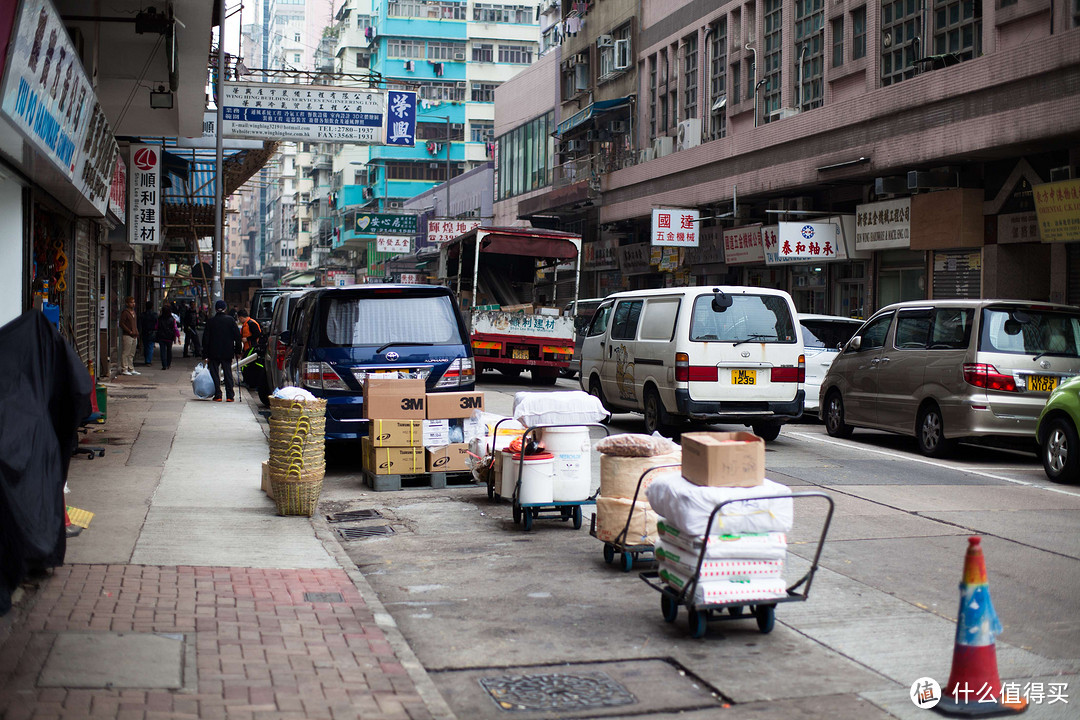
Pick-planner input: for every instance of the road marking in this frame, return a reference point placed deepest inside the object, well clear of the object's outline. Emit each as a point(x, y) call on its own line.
point(935, 463)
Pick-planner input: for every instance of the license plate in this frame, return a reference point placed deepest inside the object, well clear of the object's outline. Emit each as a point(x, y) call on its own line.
point(520, 353)
point(744, 377)
point(1042, 383)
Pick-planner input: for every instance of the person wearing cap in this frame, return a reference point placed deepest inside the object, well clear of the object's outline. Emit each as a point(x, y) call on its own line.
point(221, 341)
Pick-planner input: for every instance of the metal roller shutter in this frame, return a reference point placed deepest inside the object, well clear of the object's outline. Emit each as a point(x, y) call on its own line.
point(957, 274)
point(85, 316)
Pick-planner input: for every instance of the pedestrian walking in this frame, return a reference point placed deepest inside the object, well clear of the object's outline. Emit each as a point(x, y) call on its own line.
point(191, 332)
point(166, 335)
point(129, 329)
point(147, 331)
point(221, 341)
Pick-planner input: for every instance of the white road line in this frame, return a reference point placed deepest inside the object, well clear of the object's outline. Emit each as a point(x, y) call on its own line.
point(935, 463)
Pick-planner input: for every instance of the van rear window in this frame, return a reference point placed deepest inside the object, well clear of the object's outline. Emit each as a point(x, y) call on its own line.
point(1023, 331)
point(755, 318)
point(363, 321)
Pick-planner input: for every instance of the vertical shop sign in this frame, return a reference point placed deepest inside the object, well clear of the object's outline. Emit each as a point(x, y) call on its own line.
point(674, 227)
point(401, 118)
point(144, 226)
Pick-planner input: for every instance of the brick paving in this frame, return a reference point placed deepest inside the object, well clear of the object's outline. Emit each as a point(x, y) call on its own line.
point(261, 651)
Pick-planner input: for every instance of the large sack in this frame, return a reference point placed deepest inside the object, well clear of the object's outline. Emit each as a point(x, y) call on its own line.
point(202, 383)
point(611, 514)
point(688, 506)
point(619, 475)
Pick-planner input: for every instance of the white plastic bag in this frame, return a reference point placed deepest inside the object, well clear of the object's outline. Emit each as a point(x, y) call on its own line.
point(202, 383)
point(557, 408)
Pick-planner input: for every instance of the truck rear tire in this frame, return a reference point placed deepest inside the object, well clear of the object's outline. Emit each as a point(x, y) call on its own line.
point(545, 377)
point(510, 372)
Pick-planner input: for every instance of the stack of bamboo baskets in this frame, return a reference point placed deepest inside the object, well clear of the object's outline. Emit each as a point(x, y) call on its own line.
point(297, 454)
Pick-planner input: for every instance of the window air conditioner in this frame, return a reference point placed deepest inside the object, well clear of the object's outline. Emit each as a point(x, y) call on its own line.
point(646, 154)
point(1060, 173)
point(617, 126)
point(394, 204)
point(459, 56)
point(783, 113)
point(689, 133)
point(663, 145)
point(409, 65)
point(622, 54)
point(457, 126)
point(575, 145)
point(462, 85)
point(604, 41)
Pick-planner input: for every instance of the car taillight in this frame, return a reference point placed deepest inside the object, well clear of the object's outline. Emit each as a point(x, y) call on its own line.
point(461, 372)
point(790, 374)
point(986, 376)
point(279, 355)
point(685, 372)
point(320, 376)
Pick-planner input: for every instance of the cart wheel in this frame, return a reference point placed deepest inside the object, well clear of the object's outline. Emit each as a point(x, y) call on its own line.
point(735, 610)
point(528, 517)
point(697, 620)
point(565, 512)
point(517, 513)
point(491, 491)
point(627, 562)
point(766, 617)
point(577, 517)
point(609, 553)
point(669, 607)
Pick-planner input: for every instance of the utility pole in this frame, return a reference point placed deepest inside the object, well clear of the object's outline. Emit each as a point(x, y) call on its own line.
point(447, 166)
point(219, 189)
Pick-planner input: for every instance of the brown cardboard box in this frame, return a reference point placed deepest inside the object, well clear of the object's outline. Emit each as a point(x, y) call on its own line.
point(448, 458)
point(396, 433)
point(732, 459)
point(392, 460)
point(394, 398)
point(453, 404)
point(266, 486)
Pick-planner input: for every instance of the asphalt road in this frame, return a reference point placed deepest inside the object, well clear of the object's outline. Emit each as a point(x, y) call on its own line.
point(487, 607)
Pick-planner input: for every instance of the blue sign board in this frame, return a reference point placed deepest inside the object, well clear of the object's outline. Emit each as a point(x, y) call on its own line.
point(401, 118)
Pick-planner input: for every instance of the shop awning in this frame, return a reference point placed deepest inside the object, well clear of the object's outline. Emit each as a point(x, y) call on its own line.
point(300, 280)
point(597, 108)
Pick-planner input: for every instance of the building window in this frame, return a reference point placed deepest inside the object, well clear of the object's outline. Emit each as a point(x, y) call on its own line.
point(858, 33)
point(900, 30)
point(296, 58)
point(433, 9)
point(492, 13)
point(296, 37)
point(772, 74)
point(483, 53)
point(363, 22)
point(516, 54)
point(574, 75)
point(438, 131)
point(361, 60)
point(837, 41)
point(614, 57)
point(425, 170)
point(404, 48)
point(810, 46)
point(1076, 13)
point(481, 132)
point(441, 50)
point(523, 157)
point(718, 54)
point(690, 73)
point(551, 38)
point(652, 96)
point(450, 91)
point(483, 92)
point(958, 28)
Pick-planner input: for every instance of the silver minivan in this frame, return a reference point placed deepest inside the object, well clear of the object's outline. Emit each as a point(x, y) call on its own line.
point(726, 354)
point(947, 369)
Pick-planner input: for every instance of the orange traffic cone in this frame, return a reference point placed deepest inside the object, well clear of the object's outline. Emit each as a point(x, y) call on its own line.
point(974, 688)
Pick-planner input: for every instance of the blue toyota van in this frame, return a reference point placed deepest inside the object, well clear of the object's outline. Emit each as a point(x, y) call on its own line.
point(343, 334)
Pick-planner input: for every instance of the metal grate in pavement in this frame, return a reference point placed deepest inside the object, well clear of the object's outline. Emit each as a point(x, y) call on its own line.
point(327, 597)
point(558, 692)
point(353, 515)
point(359, 533)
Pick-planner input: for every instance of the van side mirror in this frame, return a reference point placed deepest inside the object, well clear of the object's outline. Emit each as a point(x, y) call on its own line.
point(721, 301)
point(855, 343)
point(285, 337)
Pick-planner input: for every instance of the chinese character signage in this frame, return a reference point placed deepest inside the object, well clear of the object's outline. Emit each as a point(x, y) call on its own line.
point(600, 255)
point(144, 197)
point(1058, 208)
point(411, 279)
point(302, 113)
point(398, 244)
point(118, 191)
point(401, 118)
point(883, 225)
point(296, 265)
point(634, 259)
point(373, 224)
point(50, 101)
point(675, 227)
point(807, 241)
point(441, 230)
point(744, 245)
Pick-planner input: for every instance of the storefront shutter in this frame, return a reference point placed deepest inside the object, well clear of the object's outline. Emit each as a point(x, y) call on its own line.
point(957, 274)
point(85, 316)
point(1072, 265)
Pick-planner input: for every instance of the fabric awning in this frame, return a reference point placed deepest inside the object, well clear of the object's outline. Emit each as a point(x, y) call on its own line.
point(541, 247)
point(301, 280)
point(597, 108)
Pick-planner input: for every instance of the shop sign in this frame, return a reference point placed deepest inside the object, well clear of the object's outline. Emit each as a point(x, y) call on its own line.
point(373, 224)
point(1058, 207)
point(298, 265)
point(50, 101)
point(883, 225)
point(397, 244)
point(744, 245)
point(634, 259)
point(303, 113)
point(339, 279)
point(808, 241)
point(401, 118)
point(412, 279)
point(443, 230)
point(674, 227)
point(710, 249)
point(1017, 228)
point(770, 240)
point(600, 255)
point(118, 191)
point(144, 226)
point(208, 140)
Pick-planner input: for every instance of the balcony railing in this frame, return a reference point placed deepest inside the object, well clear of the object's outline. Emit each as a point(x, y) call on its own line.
point(573, 171)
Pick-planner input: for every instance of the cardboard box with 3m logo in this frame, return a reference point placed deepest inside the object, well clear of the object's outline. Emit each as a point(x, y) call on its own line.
point(441, 406)
point(394, 398)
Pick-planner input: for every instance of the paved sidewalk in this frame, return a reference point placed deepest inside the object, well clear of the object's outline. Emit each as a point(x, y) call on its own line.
point(189, 597)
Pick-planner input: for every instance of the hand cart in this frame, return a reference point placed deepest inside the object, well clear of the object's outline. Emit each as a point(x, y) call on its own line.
point(563, 510)
point(698, 615)
point(628, 552)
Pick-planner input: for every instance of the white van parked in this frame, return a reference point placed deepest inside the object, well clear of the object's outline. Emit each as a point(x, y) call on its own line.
point(717, 354)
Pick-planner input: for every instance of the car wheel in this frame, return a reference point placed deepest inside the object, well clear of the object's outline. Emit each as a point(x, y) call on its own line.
point(930, 432)
point(653, 410)
point(598, 393)
point(767, 431)
point(1061, 451)
point(834, 416)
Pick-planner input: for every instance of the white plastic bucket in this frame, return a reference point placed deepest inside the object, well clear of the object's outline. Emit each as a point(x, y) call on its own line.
point(508, 475)
point(537, 479)
point(571, 447)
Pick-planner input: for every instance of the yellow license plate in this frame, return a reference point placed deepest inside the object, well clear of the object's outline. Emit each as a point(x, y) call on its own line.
point(744, 377)
point(1042, 383)
point(520, 353)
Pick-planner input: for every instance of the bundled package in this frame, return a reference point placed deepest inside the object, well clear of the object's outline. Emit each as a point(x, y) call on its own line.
point(752, 546)
point(611, 516)
point(710, 591)
point(687, 506)
point(685, 563)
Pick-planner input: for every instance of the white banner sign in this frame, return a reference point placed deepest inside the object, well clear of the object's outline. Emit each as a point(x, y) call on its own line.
point(50, 101)
point(208, 140)
point(744, 245)
point(675, 227)
point(411, 279)
point(278, 111)
point(883, 225)
point(441, 230)
point(808, 241)
point(144, 195)
point(399, 244)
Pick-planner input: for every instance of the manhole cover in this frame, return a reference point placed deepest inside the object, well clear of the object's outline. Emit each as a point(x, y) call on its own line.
point(359, 533)
point(353, 515)
point(556, 691)
point(329, 597)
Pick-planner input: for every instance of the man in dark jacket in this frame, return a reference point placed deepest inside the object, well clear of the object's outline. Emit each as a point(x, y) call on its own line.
point(190, 320)
point(221, 341)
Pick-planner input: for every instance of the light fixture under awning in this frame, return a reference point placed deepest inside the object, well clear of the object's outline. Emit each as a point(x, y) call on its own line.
point(596, 108)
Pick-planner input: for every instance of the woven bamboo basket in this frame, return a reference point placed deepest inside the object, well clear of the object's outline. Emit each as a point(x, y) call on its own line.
point(301, 435)
point(305, 450)
point(306, 466)
point(313, 425)
point(281, 409)
point(295, 497)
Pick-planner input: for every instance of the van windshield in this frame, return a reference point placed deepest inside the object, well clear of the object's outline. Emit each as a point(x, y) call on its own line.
point(757, 318)
point(1026, 331)
point(363, 321)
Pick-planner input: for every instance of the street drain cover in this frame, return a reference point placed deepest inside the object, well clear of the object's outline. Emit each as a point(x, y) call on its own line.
point(130, 396)
point(329, 597)
point(359, 533)
point(353, 515)
point(556, 691)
